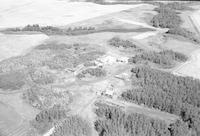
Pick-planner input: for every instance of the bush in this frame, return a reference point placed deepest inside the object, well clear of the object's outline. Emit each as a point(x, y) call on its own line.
point(73, 126)
point(96, 72)
point(114, 122)
point(167, 92)
point(164, 58)
point(117, 42)
point(46, 97)
point(61, 62)
point(41, 77)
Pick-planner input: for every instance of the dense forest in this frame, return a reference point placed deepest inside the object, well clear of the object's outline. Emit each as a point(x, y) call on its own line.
point(164, 58)
point(73, 126)
point(112, 121)
point(167, 92)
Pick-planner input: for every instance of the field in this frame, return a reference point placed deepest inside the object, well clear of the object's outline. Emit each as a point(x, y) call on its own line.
point(62, 13)
point(15, 45)
point(11, 123)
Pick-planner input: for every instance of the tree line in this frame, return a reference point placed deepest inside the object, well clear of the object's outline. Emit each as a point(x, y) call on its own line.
point(78, 30)
point(184, 33)
point(113, 121)
point(50, 30)
point(165, 58)
point(168, 17)
point(167, 92)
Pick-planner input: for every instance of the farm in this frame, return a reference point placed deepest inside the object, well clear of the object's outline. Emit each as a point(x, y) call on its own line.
point(99, 68)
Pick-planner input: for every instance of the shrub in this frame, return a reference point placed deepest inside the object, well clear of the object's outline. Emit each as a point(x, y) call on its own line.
point(41, 77)
point(96, 72)
point(117, 42)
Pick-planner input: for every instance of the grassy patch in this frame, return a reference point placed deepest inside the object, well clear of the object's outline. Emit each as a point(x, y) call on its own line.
point(12, 81)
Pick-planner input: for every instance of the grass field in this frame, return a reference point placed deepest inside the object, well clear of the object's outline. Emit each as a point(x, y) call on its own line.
point(184, 47)
point(14, 45)
point(8, 115)
point(12, 81)
point(61, 13)
point(11, 121)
